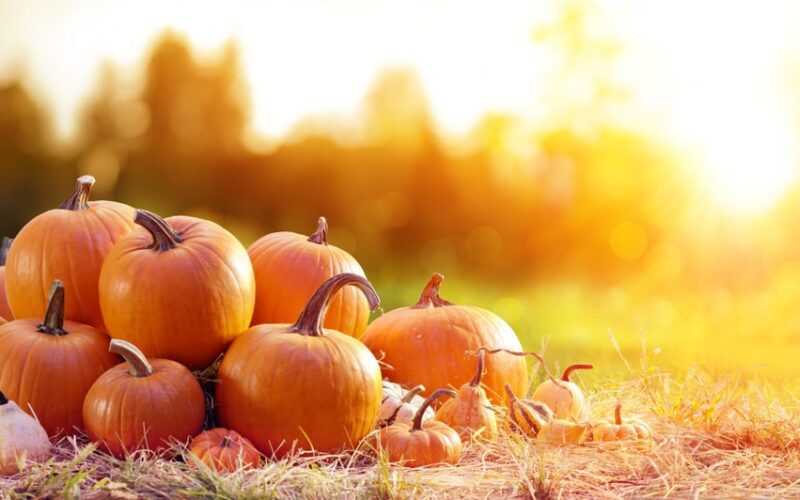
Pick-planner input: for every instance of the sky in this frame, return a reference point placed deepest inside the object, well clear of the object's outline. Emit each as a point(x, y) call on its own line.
point(715, 78)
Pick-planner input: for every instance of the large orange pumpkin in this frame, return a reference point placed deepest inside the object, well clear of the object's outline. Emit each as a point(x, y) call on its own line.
point(143, 404)
point(5, 309)
point(301, 386)
point(180, 289)
point(68, 243)
point(289, 267)
point(48, 366)
point(428, 343)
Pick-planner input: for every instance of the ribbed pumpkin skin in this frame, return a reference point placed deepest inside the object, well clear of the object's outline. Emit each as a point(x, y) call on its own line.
point(184, 304)
point(168, 404)
point(224, 450)
point(69, 245)
point(276, 387)
point(289, 268)
point(5, 309)
point(52, 373)
point(427, 346)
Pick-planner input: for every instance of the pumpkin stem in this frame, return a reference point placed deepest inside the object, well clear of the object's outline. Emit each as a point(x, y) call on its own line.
point(79, 199)
point(53, 323)
point(320, 236)
point(140, 367)
point(430, 294)
point(3, 399)
point(417, 426)
point(411, 393)
point(310, 320)
point(476, 380)
point(618, 414)
point(572, 368)
point(510, 393)
point(164, 237)
point(5, 246)
point(536, 355)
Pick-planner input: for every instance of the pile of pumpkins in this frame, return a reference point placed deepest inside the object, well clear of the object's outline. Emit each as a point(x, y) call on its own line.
point(93, 283)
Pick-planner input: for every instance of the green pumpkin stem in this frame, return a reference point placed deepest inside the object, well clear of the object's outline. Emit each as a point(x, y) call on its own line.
point(618, 414)
point(3, 399)
point(476, 380)
point(5, 246)
point(310, 320)
point(164, 237)
point(430, 294)
point(79, 199)
point(572, 368)
point(140, 366)
point(417, 425)
point(320, 236)
point(53, 323)
point(411, 393)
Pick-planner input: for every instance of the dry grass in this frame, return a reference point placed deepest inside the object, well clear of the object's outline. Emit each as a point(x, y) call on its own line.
point(718, 438)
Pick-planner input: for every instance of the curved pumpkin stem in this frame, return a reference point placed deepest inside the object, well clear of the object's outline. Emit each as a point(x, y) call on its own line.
point(510, 393)
point(430, 294)
point(536, 355)
point(411, 393)
point(140, 367)
point(5, 246)
point(320, 236)
point(164, 237)
point(3, 399)
point(417, 426)
point(476, 380)
point(79, 199)
point(310, 320)
point(53, 323)
point(618, 414)
point(572, 368)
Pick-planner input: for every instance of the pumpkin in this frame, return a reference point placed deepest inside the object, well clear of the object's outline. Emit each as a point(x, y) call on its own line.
point(619, 430)
point(69, 243)
point(526, 416)
point(48, 366)
point(179, 289)
point(470, 412)
point(396, 408)
point(562, 396)
point(289, 267)
point(5, 309)
point(421, 443)
point(560, 431)
point(141, 404)
point(301, 386)
point(425, 344)
point(224, 450)
point(21, 438)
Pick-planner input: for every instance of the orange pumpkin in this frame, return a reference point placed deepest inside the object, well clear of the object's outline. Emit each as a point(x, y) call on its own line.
point(619, 430)
point(48, 366)
point(69, 243)
point(285, 386)
point(143, 404)
point(470, 412)
point(421, 443)
point(179, 289)
point(5, 309)
point(425, 344)
point(224, 450)
point(560, 431)
point(289, 267)
point(564, 397)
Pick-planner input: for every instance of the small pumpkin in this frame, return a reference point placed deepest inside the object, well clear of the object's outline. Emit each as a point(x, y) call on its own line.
point(421, 443)
point(560, 431)
point(396, 408)
point(224, 450)
point(141, 404)
point(564, 397)
point(619, 430)
point(301, 386)
point(5, 309)
point(289, 267)
point(425, 344)
point(21, 438)
point(470, 412)
point(526, 416)
point(68, 243)
point(179, 289)
point(48, 366)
